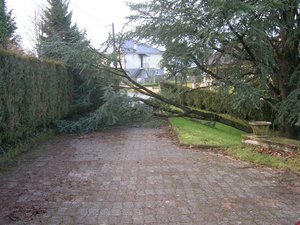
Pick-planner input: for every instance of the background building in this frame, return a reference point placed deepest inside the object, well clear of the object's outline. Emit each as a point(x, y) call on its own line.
point(142, 62)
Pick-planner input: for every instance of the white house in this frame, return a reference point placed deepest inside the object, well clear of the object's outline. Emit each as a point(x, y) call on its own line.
point(142, 62)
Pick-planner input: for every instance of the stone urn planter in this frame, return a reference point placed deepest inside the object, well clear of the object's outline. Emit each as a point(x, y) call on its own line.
point(260, 128)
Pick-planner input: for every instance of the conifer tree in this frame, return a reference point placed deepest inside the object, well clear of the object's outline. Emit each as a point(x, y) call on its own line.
point(60, 39)
point(7, 26)
point(57, 20)
point(56, 27)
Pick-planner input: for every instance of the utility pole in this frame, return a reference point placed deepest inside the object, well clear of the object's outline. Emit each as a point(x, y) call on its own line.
point(115, 63)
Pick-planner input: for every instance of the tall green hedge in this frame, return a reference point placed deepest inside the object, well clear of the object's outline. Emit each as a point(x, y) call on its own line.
point(33, 93)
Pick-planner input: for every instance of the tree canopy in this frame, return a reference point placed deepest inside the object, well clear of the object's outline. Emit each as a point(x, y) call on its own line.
point(7, 26)
point(251, 48)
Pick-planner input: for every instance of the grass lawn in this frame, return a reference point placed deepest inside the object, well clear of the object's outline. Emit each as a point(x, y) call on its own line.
point(196, 133)
point(229, 139)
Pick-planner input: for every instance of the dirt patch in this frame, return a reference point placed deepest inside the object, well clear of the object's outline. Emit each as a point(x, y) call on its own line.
point(25, 213)
point(274, 152)
point(169, 133)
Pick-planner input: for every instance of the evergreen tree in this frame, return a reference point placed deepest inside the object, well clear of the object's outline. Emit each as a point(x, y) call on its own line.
point(56, 20)
point(56, 27)
point(251, 48)
point(7, 26)
point(60, 40)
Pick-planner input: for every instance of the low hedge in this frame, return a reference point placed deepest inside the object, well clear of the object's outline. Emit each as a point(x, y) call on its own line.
point(206, 99)
point(173, 91)
point(215, 101)
point(33, 93)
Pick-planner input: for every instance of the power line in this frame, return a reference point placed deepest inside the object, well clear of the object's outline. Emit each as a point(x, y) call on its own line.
point(86, 13)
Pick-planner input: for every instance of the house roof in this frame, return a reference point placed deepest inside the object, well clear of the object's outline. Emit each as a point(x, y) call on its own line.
point(131, 46)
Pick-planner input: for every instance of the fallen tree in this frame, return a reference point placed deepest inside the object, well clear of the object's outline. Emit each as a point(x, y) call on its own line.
point(95, 68)
point(164, 104)
point(249, 48)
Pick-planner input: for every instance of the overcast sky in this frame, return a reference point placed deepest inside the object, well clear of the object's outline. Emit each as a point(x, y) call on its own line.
point(96, 16)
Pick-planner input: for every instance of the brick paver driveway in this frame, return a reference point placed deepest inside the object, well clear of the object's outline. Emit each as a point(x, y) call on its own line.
point(138, 176)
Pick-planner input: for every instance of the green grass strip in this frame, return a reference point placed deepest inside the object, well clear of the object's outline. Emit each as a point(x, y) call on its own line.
point(197, 134)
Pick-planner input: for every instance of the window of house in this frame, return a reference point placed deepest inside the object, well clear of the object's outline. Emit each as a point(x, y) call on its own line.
point(142, 61)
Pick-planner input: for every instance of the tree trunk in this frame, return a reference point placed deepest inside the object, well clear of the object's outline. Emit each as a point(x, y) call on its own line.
point(288, 130)
point(186, 111)
point(288, 61)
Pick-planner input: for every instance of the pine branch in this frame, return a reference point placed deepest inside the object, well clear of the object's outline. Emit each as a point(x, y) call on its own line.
point(204, 69)
point(241, 40)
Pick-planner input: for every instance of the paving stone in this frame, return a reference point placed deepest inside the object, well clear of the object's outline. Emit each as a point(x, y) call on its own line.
point(138, 176)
